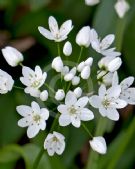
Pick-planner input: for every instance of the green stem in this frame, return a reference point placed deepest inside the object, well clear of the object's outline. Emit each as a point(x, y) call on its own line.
point(80, 55)
point(21, 64)
point(36, 163)
point(51, 89)
point(58, 48)
point(87, 130)
point(17, 87)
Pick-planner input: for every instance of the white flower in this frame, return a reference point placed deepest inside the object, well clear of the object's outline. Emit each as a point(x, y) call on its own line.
point(44, 95)
point(60, 94)
point(54, 143)
point(67, 49)
point(78, 92)
point(121, 8)
point(57, 64)
point(102, 46)
point(73, 111)
point(108, 102)
point(85, 74)
point(98, 144)
point(12, 56)
point(6, 82)
point(75, 80)
point(55, 33)
point(127, 92)
point(110, 64)
point(33, 80)
point(83, 37)
point(33, 117)
point(91, 2)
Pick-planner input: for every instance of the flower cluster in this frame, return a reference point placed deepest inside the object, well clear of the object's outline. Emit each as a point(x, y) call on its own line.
point(73, 104)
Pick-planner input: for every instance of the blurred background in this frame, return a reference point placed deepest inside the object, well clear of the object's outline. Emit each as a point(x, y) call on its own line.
point(19, 20)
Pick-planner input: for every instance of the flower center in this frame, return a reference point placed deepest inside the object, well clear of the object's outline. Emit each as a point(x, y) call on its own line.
point(106, 103)
point(37, 118)
point(35, 84)
point(55, 139)
point(72, 110)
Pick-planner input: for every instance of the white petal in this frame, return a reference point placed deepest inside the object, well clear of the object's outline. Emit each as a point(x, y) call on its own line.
point(93, 35)
point(107, 41)
point(75, 120)
point(86, 114)
point(126, 83)
point(114, 92)
point(128, 95)
point(98, 144)
point(60, 147)
point(115, 80)
point(82, 102)
point(35, 107)
point(44, 113)
point(42, 125)
point(47, 34)
point(24, 122)
point(50, 151)
point(70, 98)
point(24, 110)
point(113, 114)
point(65, 28)
point(53, 25)
point(119, 104)
point(102, 91)
point(27, 72)
point(32, 91)
point(103, 111)
point(64, 120)
point(95, 101)
point(32, 131)
point(62, 108)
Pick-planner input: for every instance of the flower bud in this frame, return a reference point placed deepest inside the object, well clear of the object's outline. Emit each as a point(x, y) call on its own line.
point(80, 66)
point(65, 70)
point(12, 56)
point(98, 144)
point(114, 64)
point(83, 37)
point(89, 61)
point(57, 64)
point(121, 8)
point(91, 2)
point(68, 77)
point(67, 50)
point(73, 71)
point(85, 72)
point(60, 94)
point(44, 95)
point(78, 92)
point(75, 80)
